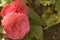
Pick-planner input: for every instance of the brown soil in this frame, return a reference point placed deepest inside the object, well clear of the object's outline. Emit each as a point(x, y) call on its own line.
point(52, 33)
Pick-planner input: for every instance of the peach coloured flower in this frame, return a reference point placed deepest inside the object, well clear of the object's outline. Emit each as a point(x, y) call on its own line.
point(16, 25)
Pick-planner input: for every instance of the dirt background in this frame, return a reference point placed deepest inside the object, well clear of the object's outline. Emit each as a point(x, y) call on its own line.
point(52, 33)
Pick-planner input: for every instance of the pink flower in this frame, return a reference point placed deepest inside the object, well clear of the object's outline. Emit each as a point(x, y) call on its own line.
point(17, 6)
point(16, 25)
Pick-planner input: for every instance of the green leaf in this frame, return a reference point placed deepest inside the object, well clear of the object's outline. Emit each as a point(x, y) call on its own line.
point(36, 31)
point(4, 2)
point(26, 1)
point(58, 5)
point(53, 20)
point(1, 36)
point(45, 16)
point(5, 38)
point(34, 15)
point(1, 29)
